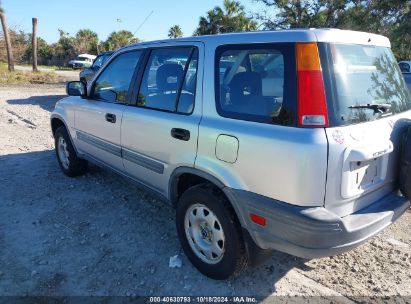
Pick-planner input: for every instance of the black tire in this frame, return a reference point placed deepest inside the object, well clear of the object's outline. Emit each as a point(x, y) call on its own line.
point(405, 164)
point(235, 258)
point(75, 166)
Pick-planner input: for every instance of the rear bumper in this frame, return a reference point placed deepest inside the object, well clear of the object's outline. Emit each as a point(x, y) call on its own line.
point(312, 232)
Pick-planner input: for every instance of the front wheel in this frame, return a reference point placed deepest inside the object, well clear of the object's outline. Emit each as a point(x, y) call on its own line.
point(69, 163)
point(209, 232)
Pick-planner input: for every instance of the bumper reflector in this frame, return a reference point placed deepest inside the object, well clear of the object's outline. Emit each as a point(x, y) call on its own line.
point(259, 220)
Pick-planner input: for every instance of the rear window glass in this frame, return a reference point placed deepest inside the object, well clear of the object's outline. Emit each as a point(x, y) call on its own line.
point(367, 84)
point(254, 82)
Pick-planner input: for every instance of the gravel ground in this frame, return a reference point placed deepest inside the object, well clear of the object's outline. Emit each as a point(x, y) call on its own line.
point(100, 235)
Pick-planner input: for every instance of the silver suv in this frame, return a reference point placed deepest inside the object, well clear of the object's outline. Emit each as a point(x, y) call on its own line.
point(286, 140)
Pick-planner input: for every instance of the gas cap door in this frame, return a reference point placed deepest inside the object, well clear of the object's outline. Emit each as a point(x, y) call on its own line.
point(227, 148)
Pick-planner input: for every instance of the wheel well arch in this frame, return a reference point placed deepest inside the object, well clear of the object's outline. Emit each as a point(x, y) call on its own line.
point(185, 177)
point(56, 123)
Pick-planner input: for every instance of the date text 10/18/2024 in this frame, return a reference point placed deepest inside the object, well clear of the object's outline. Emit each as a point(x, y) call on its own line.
point(206, 299)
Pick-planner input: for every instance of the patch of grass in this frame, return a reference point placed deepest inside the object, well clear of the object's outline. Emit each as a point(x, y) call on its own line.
point(25, 77)
point(51, 67)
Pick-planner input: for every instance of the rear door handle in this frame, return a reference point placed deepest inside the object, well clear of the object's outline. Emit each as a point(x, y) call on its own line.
point(181, 134)
point(111, 117)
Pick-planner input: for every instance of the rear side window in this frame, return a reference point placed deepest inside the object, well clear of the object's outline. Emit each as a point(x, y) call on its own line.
point(169, 80)
point(364, 83)
point(256, 83)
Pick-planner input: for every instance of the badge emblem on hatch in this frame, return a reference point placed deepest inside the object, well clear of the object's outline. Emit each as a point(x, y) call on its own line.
point(338, 137)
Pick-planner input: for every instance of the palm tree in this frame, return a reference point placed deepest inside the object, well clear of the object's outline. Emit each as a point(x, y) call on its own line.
point(86, 41)
point(119, 39)
point(230, 18)
point(175, 32)
point(34, 44)
point(9, 49)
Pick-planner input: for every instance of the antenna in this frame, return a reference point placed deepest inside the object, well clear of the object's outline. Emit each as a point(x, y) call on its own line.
point(119, 21)
point(142, 23)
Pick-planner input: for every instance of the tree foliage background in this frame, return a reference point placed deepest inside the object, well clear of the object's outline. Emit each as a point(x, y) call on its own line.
point(231, 17)
point(389, 18)
point(66, 48)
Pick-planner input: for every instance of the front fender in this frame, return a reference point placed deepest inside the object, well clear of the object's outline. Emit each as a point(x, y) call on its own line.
point(64, 111)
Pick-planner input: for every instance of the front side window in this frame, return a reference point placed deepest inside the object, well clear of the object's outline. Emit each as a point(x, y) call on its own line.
point(169, 80)
point(113, 83)
point(253, 83)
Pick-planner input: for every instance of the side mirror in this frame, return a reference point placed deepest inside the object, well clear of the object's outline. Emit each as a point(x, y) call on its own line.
point(76, 88)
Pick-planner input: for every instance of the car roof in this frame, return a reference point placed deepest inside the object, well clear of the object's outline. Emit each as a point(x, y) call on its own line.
point(290, 35)
point(87, 56)
point(106, 53)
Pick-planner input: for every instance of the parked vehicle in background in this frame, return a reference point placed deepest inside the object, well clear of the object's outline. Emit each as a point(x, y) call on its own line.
point(407, 78)
point(82, 61)
point(87, 74)
point(405, 66)
point(278, 140)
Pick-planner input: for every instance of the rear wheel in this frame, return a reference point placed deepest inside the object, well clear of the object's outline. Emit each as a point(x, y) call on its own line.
point(209, 232)
point(405, 164)
point(69, 163)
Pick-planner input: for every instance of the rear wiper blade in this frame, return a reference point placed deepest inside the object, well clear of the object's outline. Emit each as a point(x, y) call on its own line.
point(379, 108)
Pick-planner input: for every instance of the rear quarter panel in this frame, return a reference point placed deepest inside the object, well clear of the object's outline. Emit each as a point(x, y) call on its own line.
point(284, 163)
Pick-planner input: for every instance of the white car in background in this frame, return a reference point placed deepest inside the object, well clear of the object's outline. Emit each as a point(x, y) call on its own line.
point(82, 61)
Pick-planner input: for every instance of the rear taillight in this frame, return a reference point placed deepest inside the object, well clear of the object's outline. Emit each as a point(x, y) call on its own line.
point(312, 104)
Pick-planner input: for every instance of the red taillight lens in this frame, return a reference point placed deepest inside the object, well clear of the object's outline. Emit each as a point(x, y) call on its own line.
point(312, 104)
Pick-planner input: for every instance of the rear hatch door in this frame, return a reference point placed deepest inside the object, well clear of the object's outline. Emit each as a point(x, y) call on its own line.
point(368, 105)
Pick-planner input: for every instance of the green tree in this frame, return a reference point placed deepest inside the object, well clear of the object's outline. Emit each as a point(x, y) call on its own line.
point(44, 51)
point(389, 18)
point(175, 32)
point(64, 49)
point(119, 39)
point(230, 18)
point(284, 14)
point(86, 41)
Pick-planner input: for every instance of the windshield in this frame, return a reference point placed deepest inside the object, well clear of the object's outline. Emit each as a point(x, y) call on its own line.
point(363, 78)
point(78, 58)
point(98, 62)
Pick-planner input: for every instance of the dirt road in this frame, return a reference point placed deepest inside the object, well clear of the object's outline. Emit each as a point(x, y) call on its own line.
point(100, 235)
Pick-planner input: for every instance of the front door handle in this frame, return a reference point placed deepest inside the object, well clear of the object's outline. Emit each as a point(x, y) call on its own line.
point(181, 134)
point(111, 117)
